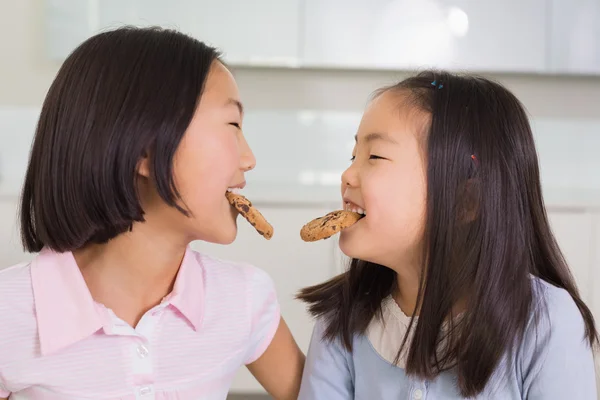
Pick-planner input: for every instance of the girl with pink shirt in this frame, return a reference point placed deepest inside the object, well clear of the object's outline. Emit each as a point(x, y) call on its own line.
point(139, 138)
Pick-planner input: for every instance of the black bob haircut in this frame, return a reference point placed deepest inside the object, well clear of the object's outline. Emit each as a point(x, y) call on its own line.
point(121, 95)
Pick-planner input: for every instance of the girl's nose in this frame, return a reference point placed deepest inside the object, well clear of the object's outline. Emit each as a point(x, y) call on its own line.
point(247, 159)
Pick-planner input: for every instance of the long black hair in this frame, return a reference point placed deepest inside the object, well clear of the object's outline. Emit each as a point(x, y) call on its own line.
point(121, 95)
point(486, 235)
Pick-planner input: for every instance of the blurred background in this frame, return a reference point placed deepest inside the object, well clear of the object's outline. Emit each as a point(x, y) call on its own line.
point(305, 69)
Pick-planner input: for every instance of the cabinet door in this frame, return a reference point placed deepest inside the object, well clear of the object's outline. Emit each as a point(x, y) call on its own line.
point(575, 36)
point(573, 231)
point(482, 35)
point(292, 263)
point(248, 32)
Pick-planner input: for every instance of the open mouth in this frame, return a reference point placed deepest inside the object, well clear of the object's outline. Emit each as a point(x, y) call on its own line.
point(348, 206)
point(234, 190)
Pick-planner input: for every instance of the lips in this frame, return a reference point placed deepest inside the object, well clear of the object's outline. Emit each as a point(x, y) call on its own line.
point(350, 206)
point(236, 188)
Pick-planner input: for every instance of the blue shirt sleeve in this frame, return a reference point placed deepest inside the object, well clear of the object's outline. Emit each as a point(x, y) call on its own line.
point(329, 371)
point(556, 359)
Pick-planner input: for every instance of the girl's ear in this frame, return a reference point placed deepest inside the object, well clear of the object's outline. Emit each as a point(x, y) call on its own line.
point(469, 201)
point(143, 166)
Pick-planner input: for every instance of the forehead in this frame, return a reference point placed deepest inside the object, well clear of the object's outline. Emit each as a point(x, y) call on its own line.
point(220, 86)
point(391, 113)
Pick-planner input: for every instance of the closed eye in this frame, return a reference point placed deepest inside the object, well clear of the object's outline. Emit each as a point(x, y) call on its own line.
point(235, 124)
point(371, 157)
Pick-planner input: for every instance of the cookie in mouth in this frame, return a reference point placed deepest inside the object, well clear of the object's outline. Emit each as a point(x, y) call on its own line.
point(328, 225)
point(248, 211)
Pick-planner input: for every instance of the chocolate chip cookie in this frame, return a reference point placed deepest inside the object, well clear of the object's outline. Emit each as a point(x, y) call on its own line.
point(329, 225)
point(252, 215)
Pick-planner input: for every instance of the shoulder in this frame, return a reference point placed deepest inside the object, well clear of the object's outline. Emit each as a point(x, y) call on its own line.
point(226, 280)
point(18, 324)
point(322, 341)
point(234, 271)
point(555, 307)
point(15, 273)
point(556, 358)
point(327, 357)
point(15, 289)
point(230, 273)
point(555, 323)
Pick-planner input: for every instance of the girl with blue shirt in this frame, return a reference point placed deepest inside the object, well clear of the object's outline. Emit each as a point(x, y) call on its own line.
point(457, 287)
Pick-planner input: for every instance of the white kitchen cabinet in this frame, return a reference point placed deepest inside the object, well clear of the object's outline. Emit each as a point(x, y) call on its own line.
point(292, 263)
point(575, 36)
point(507, 35)
point(250, 32)
point(573, 231)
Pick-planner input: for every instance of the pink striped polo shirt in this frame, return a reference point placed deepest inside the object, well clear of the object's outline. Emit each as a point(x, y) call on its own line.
point(56, 342)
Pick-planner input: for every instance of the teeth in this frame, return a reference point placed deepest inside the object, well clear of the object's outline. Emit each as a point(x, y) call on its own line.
point(357, 210)
point(234, 190)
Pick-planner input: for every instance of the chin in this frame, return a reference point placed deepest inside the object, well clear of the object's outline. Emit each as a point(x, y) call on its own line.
point(347, 247)
point(227, 230)
point(223, 233)
point(222, 238)
point(227, 240)
point(358, 249)
point(227, 236)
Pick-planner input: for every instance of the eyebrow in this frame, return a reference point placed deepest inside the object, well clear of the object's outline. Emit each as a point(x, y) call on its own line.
point(236, 103)
point(376, 136)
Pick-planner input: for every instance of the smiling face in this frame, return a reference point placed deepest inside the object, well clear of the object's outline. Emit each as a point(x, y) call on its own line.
point(212, 157)
point(387, 181)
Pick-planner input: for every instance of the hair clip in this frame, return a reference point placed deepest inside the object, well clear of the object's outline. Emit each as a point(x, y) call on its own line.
point(475, 160)
point(434, 83)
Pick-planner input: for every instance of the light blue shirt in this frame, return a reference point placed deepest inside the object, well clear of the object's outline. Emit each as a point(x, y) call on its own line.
point(553, 362)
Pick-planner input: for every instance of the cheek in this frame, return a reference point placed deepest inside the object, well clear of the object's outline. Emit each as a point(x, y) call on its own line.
point(376, 192)
point(397, 202)
point(205, 166)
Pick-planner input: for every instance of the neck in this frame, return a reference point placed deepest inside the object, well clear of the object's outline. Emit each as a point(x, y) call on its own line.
point(132, 272)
